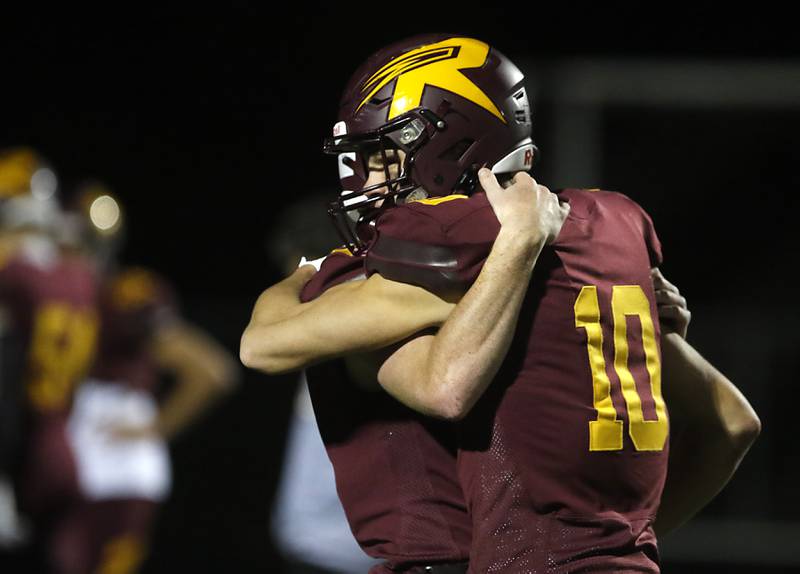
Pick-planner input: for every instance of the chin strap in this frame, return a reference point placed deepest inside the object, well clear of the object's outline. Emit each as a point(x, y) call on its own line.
point(415, 195)
point(468, 181)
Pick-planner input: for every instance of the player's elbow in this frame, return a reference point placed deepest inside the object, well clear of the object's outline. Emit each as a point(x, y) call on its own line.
point(736, 431)
point(247, 352)
point(449, 410)
point(742, 425)
point(254, 354)
point(449, 402)
point(225, 375)
point(744, 429)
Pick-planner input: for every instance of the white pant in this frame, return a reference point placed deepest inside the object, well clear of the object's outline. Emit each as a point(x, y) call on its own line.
point(108, 467)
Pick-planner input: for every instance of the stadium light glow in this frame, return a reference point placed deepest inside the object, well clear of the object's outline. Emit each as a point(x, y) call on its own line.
point(104, 213)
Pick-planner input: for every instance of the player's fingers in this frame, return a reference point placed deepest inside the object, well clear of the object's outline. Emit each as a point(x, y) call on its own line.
point(657, 277)
point(661, 282)
point(488, 181)
point(666, 297)
point(563, 206)
point(523, 177)
point(674, 313)
point(305, 270)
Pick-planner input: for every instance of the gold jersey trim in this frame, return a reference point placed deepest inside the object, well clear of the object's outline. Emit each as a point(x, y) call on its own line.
point(438, 200)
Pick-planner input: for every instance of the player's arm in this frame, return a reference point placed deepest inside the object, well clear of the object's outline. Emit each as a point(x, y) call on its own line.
point(203, 372)
point(712, 424)
point(355, 317)
point(445, 374)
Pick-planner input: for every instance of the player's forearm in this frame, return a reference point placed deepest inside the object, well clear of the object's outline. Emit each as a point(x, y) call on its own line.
point(186, 403)
point(703, 396)
point(698, 471)
point(270, 331)
point(720, 427)
point(303, 340)
point(351, 318)
point(282, 300)
point(472, 344)
point(204, 370)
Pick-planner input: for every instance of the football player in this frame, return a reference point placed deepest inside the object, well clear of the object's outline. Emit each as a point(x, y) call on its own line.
point(308, 523)
point(118, 428)
point(49, 301)
point(414, 516)
point(563, 459)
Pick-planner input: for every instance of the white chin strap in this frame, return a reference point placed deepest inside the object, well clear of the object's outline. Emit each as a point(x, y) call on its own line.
point(352, 200)
point(353, 215)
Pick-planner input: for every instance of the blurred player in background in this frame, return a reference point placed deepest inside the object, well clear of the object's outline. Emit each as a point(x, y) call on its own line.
point(48, 303)
point(552, 479)
point(308, 523)
point(119, 427)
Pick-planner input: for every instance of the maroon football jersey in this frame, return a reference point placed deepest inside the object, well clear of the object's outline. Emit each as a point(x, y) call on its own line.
point(134, 303)
point(564, 458)
point(395, 469)
point(51, 301)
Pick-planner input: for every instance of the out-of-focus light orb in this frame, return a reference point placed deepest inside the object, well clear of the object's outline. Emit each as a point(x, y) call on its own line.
point(104, 213)
point(44, 183)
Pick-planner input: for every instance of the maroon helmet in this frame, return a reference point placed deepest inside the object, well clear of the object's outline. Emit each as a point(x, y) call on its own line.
point(451, 104)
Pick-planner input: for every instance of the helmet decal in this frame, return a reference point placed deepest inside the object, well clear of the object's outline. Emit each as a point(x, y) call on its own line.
point(436, 65)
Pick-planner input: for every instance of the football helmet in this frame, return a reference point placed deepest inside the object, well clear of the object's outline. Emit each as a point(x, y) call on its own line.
point(28, 191)
point(451, 104)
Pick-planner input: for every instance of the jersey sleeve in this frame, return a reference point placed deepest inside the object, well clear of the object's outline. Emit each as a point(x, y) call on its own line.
point(651, 239)
point(645, 223)
point(439, 245)
point(339, 266)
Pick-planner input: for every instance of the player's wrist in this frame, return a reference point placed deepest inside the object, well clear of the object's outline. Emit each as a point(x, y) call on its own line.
point(522, 239)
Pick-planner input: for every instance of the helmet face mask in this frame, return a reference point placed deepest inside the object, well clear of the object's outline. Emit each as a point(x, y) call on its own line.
point(452, 105)
point(360, 202)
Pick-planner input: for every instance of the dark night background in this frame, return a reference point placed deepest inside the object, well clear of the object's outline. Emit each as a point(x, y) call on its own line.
point(206, 124)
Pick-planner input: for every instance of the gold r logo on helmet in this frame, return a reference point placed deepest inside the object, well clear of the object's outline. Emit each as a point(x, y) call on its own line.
point(436, 65)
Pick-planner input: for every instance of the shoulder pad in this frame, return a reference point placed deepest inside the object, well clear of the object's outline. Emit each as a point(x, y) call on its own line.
point(439, 244)
point(585, 202)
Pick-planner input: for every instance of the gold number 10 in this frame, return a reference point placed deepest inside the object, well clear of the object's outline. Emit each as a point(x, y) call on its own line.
point(605, 433)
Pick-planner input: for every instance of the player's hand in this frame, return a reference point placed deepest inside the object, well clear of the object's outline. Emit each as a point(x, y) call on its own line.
point(673, 312)
point(525, 206)
point(301, 275)
point(315, 263)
